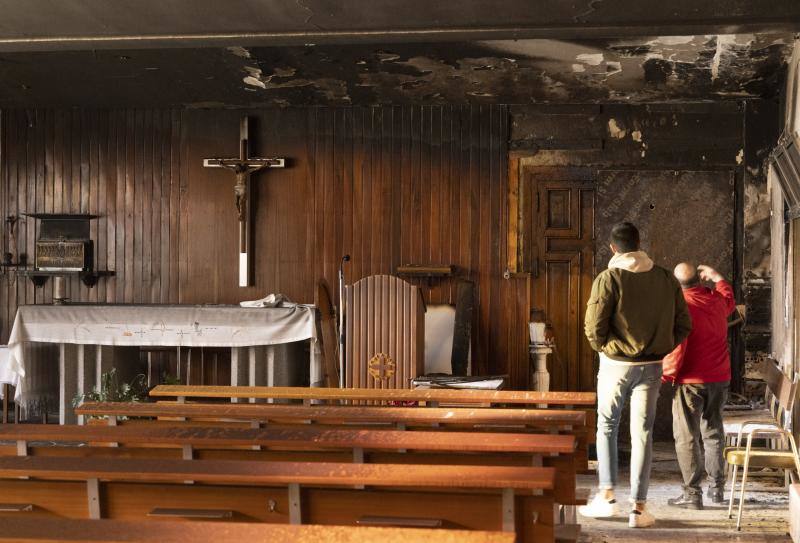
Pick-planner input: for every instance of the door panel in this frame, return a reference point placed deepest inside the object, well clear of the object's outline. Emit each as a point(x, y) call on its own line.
point(562, 262)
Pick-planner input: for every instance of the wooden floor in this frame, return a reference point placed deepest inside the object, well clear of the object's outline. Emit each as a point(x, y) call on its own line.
point(765, 517)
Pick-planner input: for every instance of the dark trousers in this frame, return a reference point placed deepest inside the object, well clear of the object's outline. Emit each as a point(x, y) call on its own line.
point(696, 415)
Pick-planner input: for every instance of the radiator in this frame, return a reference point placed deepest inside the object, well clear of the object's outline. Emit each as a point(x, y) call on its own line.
point(385, 333)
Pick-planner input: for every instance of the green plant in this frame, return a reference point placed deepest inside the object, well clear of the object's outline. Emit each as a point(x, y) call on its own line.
point(169, 379)
point(111, 390)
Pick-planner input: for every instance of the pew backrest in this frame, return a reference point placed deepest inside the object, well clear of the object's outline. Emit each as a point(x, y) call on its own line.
point(317, 474)
point(298, 438)
point(428, 396)
point(549, 418)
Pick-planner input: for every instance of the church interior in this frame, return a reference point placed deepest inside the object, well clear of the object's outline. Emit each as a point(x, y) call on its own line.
point(319, 271)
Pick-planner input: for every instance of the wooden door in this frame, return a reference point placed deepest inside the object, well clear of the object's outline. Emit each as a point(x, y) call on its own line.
point(562, 263)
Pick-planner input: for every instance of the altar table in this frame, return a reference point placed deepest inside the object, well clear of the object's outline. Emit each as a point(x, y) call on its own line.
point(74, 326)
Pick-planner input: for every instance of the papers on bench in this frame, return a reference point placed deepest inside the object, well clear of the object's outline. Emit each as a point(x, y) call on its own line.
point(463, 382)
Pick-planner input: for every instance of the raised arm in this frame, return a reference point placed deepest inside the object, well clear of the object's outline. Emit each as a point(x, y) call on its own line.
point(721, 286)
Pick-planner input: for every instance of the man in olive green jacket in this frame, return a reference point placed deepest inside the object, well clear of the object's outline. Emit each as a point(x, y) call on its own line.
point(636, 315)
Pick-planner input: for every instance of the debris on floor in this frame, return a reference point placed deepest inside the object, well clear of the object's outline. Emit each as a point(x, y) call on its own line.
point(765, 517)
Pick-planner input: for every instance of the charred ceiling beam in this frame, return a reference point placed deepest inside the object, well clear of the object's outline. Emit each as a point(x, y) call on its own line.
point(47, 25)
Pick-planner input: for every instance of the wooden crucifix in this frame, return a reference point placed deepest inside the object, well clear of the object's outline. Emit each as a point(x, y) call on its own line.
point(243, 167)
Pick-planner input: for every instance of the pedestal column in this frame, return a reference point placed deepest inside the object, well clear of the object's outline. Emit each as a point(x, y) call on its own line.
point(540, 377)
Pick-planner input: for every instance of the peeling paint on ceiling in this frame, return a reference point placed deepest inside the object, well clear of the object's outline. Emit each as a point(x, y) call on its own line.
point(667, 68)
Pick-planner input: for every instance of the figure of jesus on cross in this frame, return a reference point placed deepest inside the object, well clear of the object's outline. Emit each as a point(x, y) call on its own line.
point(243, 167)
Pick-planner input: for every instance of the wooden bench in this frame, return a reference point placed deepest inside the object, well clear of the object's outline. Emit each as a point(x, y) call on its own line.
point(430, 397)
point(47, 530)
point(305, 445)
point(466, 417)
point(511, 499)
point(497, 419)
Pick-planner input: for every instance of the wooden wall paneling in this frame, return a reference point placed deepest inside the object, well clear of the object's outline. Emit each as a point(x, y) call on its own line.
point(396, 189)
point(308, 179)
point(5, 170)
point(106, 202)
point(77, 200)
point(183, 227)
point(413, 213)
point(174, 210)
point(23, 168)
point(360, 176)
point(389, 185)
point(128, 207)
point(153, 213)
point(322, 196)
point(427, 190)
point(12, 150)
point(266, 229)
point(139, 194)
point(387, 179)
point(405, 194)
point(120, 159)
point(98, 195)
point(34, 198)
point(11, 158)
point(438, 241)
point(26, 227)
point(445, 209)
point(372, 256)
point(160, 228)
point(343, 186)
point(72, 182)
point(4, 181)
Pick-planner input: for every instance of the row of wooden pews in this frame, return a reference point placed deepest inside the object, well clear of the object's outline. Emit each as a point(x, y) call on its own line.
point(457, 468)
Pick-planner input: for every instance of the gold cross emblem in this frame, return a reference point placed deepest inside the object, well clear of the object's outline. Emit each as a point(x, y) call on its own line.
point(381, 367)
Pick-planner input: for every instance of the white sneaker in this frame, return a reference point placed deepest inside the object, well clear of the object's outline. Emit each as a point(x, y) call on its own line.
point(641, 519)
point(599, 508)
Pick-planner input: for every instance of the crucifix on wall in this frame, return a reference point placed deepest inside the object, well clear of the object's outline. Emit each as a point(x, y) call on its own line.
point(243, 167)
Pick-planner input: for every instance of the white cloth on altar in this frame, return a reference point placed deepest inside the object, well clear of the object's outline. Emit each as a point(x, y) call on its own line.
point(7, 373)
point(157, 325)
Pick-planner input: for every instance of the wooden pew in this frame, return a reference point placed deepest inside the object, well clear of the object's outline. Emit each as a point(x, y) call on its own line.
point(47, 530)
point(496, 419)
point(430, 397)
point(305, 444)
point(551, 419)
point(511, 499)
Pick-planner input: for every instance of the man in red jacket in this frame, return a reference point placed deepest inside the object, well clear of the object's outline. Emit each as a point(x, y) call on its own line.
point(700, 369)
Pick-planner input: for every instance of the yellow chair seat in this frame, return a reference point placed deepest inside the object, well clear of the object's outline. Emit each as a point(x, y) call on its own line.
point(760, 458)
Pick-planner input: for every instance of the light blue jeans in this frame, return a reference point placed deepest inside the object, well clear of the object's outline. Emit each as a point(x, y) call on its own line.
point(616, 383)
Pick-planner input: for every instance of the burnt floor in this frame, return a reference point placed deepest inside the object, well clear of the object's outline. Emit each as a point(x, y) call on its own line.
point(765, 517)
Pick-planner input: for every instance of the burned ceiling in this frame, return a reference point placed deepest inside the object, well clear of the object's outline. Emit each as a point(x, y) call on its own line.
point(676, 68)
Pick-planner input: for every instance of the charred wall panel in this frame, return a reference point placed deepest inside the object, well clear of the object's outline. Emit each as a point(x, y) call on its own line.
point(681, 215)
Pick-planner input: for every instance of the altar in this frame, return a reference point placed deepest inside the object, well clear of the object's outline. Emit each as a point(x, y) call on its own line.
point(87, 336)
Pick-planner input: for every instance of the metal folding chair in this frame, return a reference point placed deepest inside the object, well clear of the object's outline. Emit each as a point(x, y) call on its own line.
point(764, 457)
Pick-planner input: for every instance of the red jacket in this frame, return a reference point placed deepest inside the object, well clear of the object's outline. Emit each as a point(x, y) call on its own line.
point(703, 357)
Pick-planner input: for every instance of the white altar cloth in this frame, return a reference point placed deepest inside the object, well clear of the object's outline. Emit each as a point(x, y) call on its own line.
point(156, 325)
